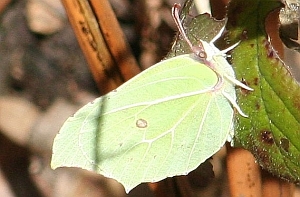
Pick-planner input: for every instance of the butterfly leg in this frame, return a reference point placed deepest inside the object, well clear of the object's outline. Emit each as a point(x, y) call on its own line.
point(237, 82)
point(234, 104)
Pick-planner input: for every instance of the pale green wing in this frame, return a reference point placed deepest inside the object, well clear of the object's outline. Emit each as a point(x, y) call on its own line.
point(163, 122)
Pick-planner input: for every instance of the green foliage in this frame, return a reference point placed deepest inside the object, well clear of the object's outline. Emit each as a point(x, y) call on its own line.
point(272, 130)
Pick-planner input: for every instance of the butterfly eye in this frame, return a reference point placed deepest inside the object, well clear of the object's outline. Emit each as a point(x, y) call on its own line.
point(198, 51)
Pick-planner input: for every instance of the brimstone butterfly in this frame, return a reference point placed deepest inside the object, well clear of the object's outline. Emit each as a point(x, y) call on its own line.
point(164, 122)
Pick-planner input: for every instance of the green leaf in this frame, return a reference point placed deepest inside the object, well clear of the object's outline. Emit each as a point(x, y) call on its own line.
point(272, 130)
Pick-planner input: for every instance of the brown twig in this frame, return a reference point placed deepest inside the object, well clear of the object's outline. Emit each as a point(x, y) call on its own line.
point(243, 173)
point(274, 187)
point(115, 39)
point(3, 5)
point(172, 187)
point(102, 42)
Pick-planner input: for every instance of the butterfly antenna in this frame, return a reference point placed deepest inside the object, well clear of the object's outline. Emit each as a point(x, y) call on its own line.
point(198, 50)
point(175, 14)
